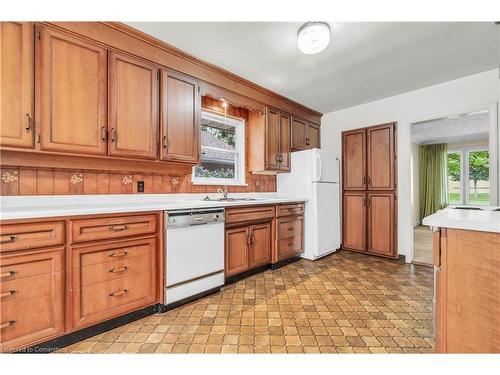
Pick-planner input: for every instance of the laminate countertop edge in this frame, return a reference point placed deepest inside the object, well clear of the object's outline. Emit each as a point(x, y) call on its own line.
point(485, 220)
point(53, 208)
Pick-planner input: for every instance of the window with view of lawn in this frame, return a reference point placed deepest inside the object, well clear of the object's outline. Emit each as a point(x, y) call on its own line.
point(469, 177)
point(222, 151)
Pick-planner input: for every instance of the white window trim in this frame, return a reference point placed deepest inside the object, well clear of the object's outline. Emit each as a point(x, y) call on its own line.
point(464, 171)
point(240, 179)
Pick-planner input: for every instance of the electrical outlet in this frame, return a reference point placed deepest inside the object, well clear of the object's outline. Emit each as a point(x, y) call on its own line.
point(140, 186)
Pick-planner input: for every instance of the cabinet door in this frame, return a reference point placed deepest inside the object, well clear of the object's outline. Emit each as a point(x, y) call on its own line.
point(284, 142)
point(313, 136)
point(298, 134)
point(272, 138)
point(237, 243)
point(71, 93)
point(260, 253)
point(380, 157)
point(16, 84)
point(354, 160)
point(180, 117)
point(354, 221)
point(380, 223)
point(133, 102)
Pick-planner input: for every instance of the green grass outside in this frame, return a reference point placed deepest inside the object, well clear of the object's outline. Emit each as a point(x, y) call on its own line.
point(482, 198)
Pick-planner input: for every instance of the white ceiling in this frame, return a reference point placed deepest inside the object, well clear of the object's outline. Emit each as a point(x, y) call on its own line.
point(364, 62)
point(466, 127)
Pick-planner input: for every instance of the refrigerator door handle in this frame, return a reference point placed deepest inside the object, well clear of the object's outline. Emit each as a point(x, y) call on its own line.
point(319, 165)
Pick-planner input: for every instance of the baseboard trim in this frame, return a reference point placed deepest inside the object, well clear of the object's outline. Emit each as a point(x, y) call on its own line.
point(85, 333)
point(285, 262)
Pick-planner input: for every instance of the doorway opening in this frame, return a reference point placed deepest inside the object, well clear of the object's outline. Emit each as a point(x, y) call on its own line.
point(452, 166)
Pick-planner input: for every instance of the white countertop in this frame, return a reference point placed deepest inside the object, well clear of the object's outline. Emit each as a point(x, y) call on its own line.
point(484, 220)
point(26, 207)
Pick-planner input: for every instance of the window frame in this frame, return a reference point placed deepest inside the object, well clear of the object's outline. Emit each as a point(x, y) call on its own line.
point(464, 172)
point(240, 172)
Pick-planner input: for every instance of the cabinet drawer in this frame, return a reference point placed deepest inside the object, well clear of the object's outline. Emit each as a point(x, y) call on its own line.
point(289, 246)
point(31, 321)
point(98, 263)
point(85, 230)
point(31, 235)
point(290, 227)
point(19, 266)
point(290, 209)
point(98, 273)
point(30, 287)
point(98, 302)
point(249, 214)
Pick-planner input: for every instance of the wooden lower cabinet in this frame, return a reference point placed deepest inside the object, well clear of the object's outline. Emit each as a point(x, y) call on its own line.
point(247, 247)
point(354, 221)
point(111, 279)
point(369, 222)
point(289, 237)
point(32, 297)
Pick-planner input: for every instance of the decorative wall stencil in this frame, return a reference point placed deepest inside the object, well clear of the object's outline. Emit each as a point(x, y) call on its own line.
point(9, 177)
point(126, 180)
point(175, 181)
point(76, 178)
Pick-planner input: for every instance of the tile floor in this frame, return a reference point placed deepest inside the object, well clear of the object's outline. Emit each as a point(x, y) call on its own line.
point(344, 303)
point(422, 245)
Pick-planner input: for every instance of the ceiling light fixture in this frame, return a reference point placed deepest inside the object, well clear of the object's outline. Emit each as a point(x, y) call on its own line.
point(313, 37)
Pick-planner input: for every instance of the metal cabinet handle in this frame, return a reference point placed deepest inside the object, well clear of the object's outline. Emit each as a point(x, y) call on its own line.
point(368, 180)
point(117, 255)
point(307, 141)
point(28, 120)
point(8, 293)
point(119, 293)
point(104, 134)
point(117, 270)
point(11, 238)
point(249, 240)
point(368, 202)
point(118, 228)
point(290, 244)
point(113, 135)
point(252, 238)
point(8, 274)
point(8, 324)
point(165, 142)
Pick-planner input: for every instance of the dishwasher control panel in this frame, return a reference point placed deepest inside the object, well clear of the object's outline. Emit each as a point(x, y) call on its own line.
point(186, 218)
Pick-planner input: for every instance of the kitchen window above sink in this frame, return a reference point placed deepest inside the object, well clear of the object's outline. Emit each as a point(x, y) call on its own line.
point(222, 159)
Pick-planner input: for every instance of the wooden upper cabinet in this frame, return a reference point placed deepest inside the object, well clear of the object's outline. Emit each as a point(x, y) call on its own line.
point(354, 221)
point(272, 138)
point(260, 239)
point(133, 106)
point(180, 117)
point(380, 223)
point(313, 136)
point(284, 142)
point(70, 93)
point(298, 134)
point(354, 159)
point(380, 157)
point(16, 84)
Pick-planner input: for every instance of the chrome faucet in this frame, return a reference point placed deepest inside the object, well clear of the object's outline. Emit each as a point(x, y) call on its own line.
point(223, 191)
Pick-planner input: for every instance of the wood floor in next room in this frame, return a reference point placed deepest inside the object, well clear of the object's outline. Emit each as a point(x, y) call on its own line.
point(343, 303)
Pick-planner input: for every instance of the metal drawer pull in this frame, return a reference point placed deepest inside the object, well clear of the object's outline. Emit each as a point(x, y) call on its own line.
point(8, 294)
point(8, 274)
point(291, 229)
point(117, 255)
point(12, 238)
point(119, 293)
point(117, 228)
point(116, 270)
point(8, 324)
point(290, 244)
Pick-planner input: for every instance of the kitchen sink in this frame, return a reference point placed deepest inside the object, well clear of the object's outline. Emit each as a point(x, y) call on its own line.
point(229, 199)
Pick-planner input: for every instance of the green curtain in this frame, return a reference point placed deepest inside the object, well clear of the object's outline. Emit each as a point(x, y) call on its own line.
point(433, 178)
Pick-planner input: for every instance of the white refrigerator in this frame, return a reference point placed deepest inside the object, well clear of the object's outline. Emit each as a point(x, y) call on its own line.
point(315, 176)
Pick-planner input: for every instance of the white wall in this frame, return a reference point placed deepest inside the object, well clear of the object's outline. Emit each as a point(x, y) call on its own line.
point(453, 97)
point(415, 192)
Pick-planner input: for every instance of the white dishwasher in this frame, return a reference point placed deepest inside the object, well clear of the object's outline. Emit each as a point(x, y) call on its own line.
point(194, 254)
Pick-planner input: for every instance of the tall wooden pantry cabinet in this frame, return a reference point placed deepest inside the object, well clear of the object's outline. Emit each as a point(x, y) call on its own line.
point(369, 209)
